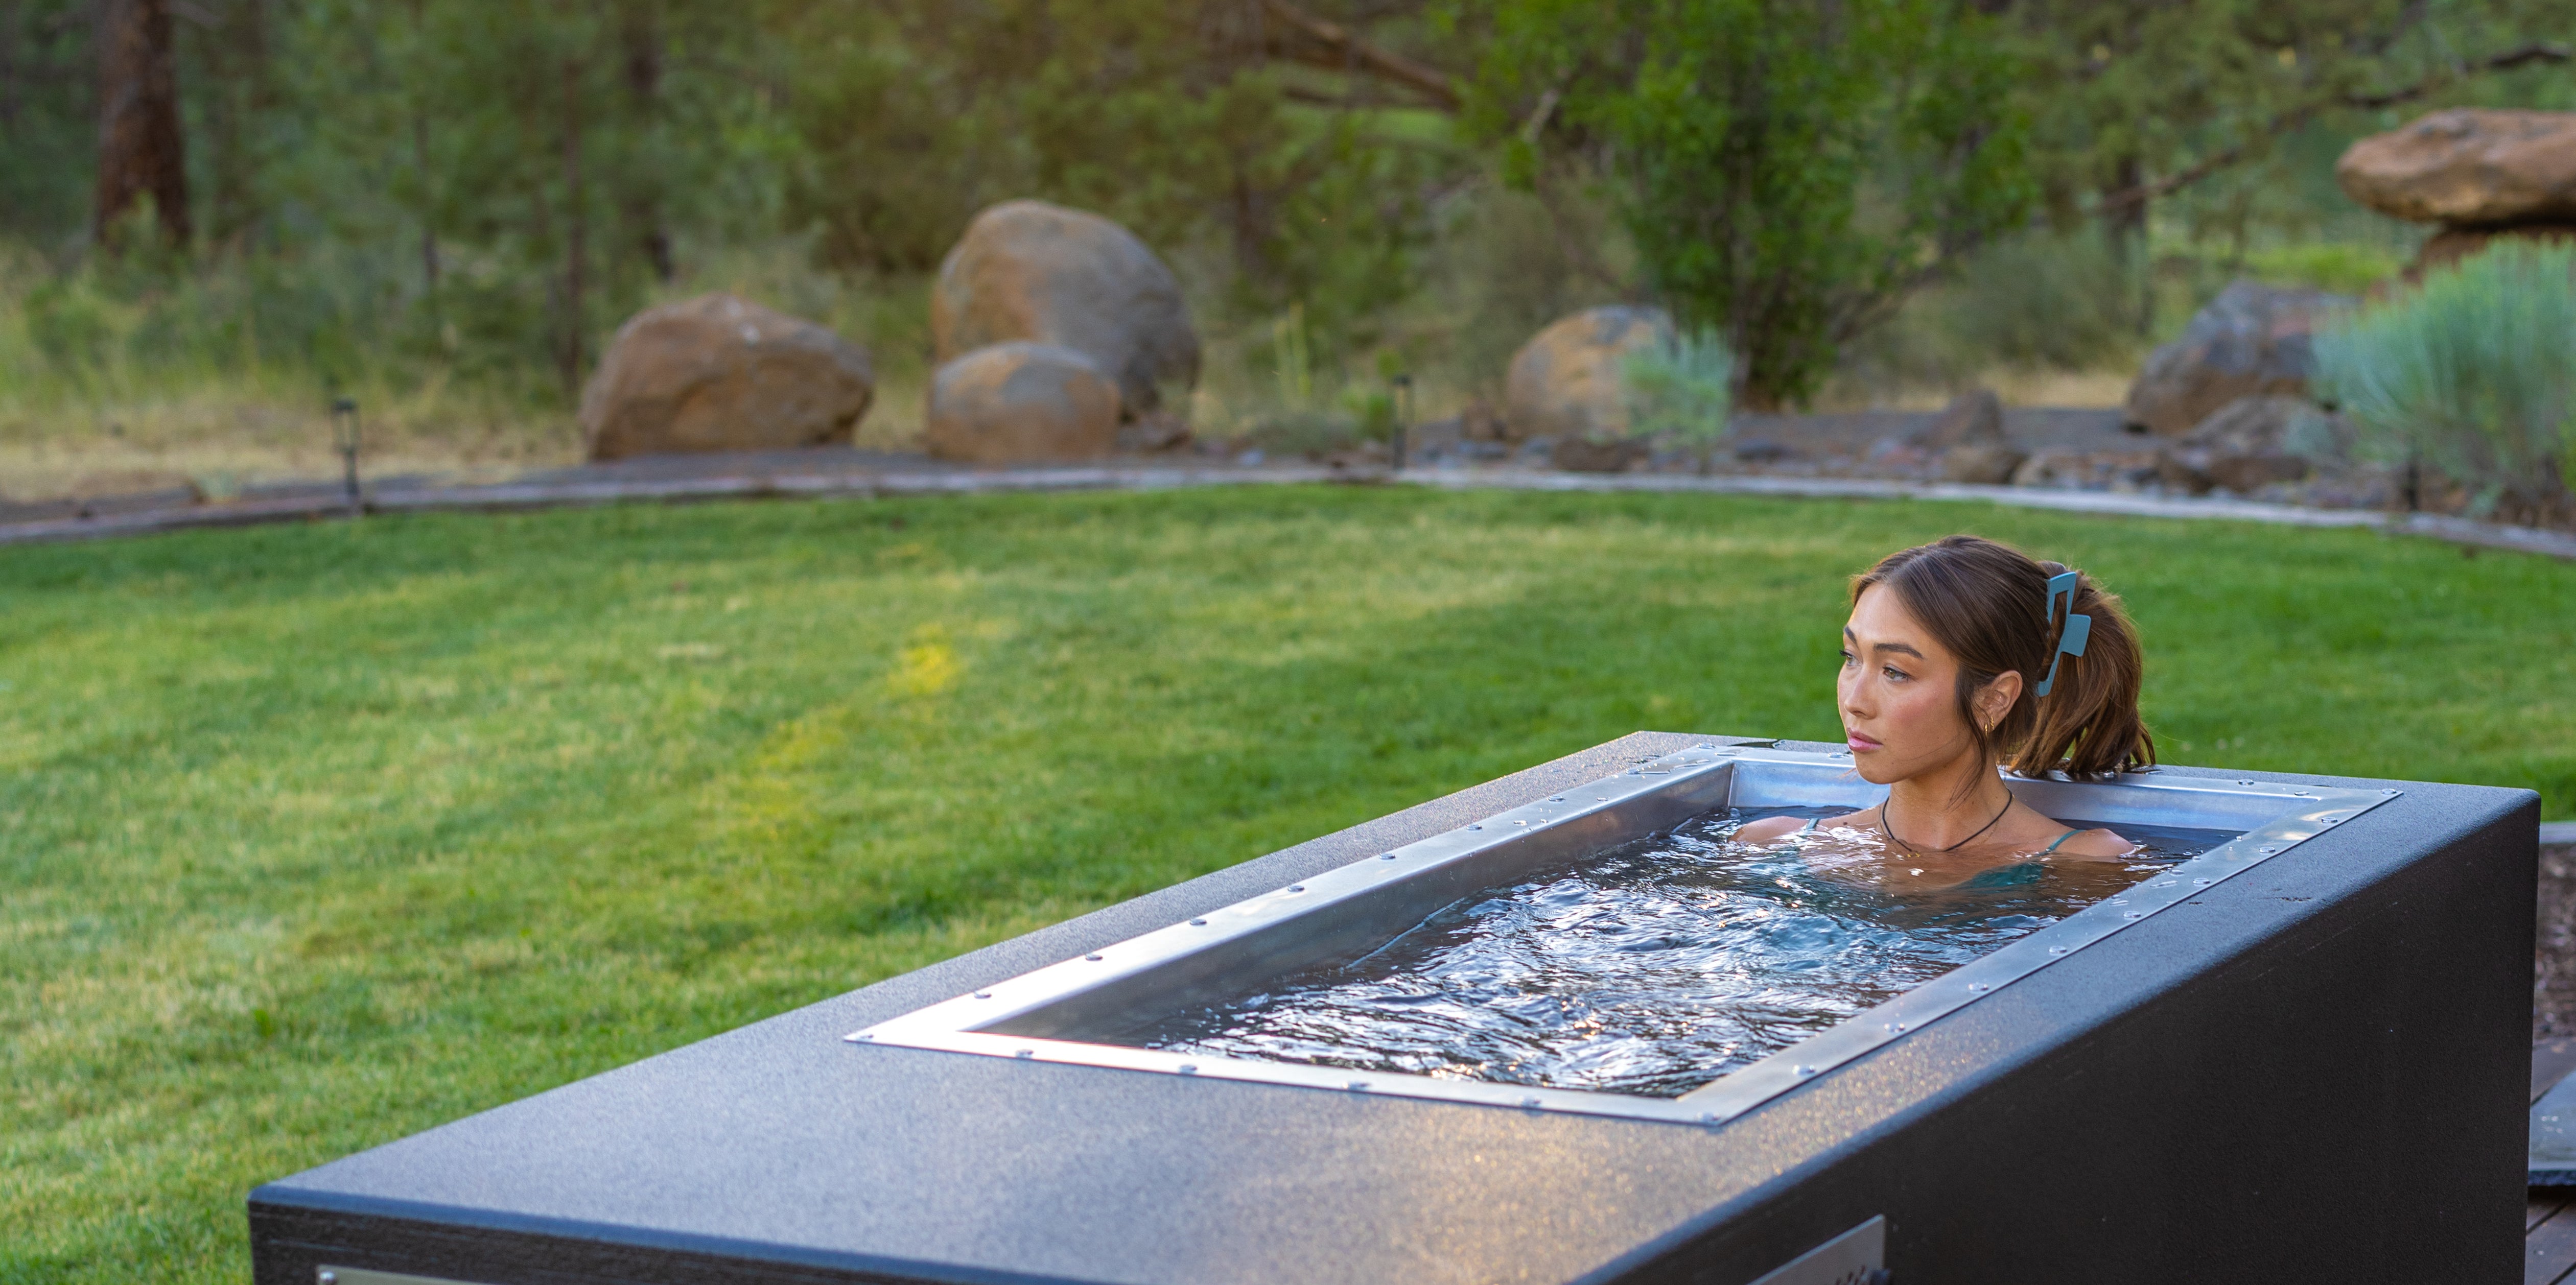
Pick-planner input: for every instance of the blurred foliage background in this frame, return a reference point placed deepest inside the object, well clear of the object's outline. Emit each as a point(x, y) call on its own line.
point(445, 208)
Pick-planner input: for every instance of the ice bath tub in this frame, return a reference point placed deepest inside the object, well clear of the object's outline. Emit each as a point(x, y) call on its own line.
point(2298, 1056)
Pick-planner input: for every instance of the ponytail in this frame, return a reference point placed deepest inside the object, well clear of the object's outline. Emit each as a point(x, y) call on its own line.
point(2087, 726)
point(1988, 603)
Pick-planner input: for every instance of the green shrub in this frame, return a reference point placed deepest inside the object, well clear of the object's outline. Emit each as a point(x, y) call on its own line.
point(2473, 372)
point(1683, 391)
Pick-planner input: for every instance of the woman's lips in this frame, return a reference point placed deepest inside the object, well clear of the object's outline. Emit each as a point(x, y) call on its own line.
point(1859, 744)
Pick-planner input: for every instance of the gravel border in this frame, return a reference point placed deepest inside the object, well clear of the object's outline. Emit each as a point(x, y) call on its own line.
point(789, 482)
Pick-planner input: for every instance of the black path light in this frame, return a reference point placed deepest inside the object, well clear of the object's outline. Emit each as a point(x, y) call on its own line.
point(1403, 420)
point(344, 433)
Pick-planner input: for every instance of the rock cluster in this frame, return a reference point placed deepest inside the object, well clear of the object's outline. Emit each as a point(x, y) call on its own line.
point(1056, 334)
point(1968, 441)
point(717, 373)
point(2251, 341)
point(1043, 273)
point(1053, 288)
point(2478, 174)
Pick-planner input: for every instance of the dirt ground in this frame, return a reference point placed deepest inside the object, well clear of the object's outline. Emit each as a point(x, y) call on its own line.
point(2553, 982)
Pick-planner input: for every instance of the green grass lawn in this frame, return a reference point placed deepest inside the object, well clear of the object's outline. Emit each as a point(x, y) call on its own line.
point(312, 837)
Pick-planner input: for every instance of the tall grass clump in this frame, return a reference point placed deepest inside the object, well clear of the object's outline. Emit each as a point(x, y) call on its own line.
point(2473, 373)
point(1683, 391)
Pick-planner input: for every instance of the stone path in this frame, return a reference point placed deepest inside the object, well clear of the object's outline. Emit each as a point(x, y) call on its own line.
point(841, 472)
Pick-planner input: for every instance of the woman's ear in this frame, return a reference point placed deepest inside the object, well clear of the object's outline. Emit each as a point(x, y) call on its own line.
point(1995, 699)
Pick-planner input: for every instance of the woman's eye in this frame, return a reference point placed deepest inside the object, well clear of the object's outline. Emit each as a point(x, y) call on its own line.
point(1850, 660)
point(1895, 675)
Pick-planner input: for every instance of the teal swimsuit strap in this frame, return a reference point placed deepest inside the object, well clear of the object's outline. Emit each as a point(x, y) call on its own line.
point(1811, 824)
point(2060, 839)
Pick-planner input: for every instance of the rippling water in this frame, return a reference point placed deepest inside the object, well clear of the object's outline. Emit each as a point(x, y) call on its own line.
point(1658, 966)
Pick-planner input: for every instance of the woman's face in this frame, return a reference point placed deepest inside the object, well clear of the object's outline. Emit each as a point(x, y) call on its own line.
point(1897, 693)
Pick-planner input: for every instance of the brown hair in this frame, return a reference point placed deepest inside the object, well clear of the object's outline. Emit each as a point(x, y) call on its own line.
point(1988, 603)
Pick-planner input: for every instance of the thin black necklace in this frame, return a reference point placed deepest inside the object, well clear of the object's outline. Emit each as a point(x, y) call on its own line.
point(1911, 850)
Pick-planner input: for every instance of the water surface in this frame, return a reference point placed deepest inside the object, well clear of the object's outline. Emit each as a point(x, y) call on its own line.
point(1659, 965)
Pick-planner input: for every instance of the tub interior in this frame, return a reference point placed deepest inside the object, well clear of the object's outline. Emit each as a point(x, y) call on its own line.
point(1107, 1007)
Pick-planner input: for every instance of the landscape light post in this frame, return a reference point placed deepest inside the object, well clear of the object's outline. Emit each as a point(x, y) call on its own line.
point(344, 433)
point(1403, 418)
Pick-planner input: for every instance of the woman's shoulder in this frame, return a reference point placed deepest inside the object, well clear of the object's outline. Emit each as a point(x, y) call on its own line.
point(2093, 845)
point(1769, 829)
point(1774, 829)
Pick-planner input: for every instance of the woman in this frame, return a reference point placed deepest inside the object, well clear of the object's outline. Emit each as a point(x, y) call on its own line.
point(1961, 655)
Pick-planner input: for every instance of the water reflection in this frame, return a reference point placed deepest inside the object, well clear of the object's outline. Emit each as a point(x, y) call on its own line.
point(1659, 965)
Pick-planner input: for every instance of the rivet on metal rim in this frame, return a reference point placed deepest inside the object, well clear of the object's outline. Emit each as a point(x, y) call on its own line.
point(983, 994)
point(1531, 1103)
point(1806, 1070)
point(1188, 1068)
point(2134, 914)
point(1296, 887)
point(1359, 1086)
point(1978, 987)
point(1024, 1052)
point(1093, 958)
point(1386, 856)
point(2057, 950)
point(1198, 923)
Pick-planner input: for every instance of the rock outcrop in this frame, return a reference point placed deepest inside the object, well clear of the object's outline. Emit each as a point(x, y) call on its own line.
point(2245, 445)
point(1569, 383)
point(2477, 174)
point(717, 373)
point(2468, 167)
point(1027, 270)
point(2251, 341)
point(1021, 402)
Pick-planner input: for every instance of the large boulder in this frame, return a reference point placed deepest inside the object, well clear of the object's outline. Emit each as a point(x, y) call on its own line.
point(1021, 402)
point(1027, 270)
point(717, 373)
point(1569, 381)
point(2250, 341)
point(2468, 166)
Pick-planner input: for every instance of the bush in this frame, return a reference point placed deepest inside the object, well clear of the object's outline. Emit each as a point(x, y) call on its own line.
point(1683, 391)
point(2473, 373)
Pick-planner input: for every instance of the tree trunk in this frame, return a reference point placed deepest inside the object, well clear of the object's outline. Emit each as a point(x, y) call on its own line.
point(642, 37)
point(576, 234)
point(2124, 226)
point(12, 12)
point(139, 150)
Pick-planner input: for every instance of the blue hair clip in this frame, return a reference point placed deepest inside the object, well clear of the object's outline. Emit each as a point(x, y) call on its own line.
point(2079, 629)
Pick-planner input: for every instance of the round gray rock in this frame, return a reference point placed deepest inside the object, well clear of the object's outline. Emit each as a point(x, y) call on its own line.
point(717, 373)
point(1027, 270)
point(1021, 402)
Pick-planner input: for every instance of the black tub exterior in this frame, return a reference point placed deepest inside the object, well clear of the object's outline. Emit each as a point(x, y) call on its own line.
point(2315, 1071)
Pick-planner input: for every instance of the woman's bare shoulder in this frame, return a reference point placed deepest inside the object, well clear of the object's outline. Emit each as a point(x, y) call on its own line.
point(1774, 829)
point(1769, 829)
point(2095, 845)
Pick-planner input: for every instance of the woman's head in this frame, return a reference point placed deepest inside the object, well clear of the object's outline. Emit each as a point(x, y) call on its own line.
point(1944, 653)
